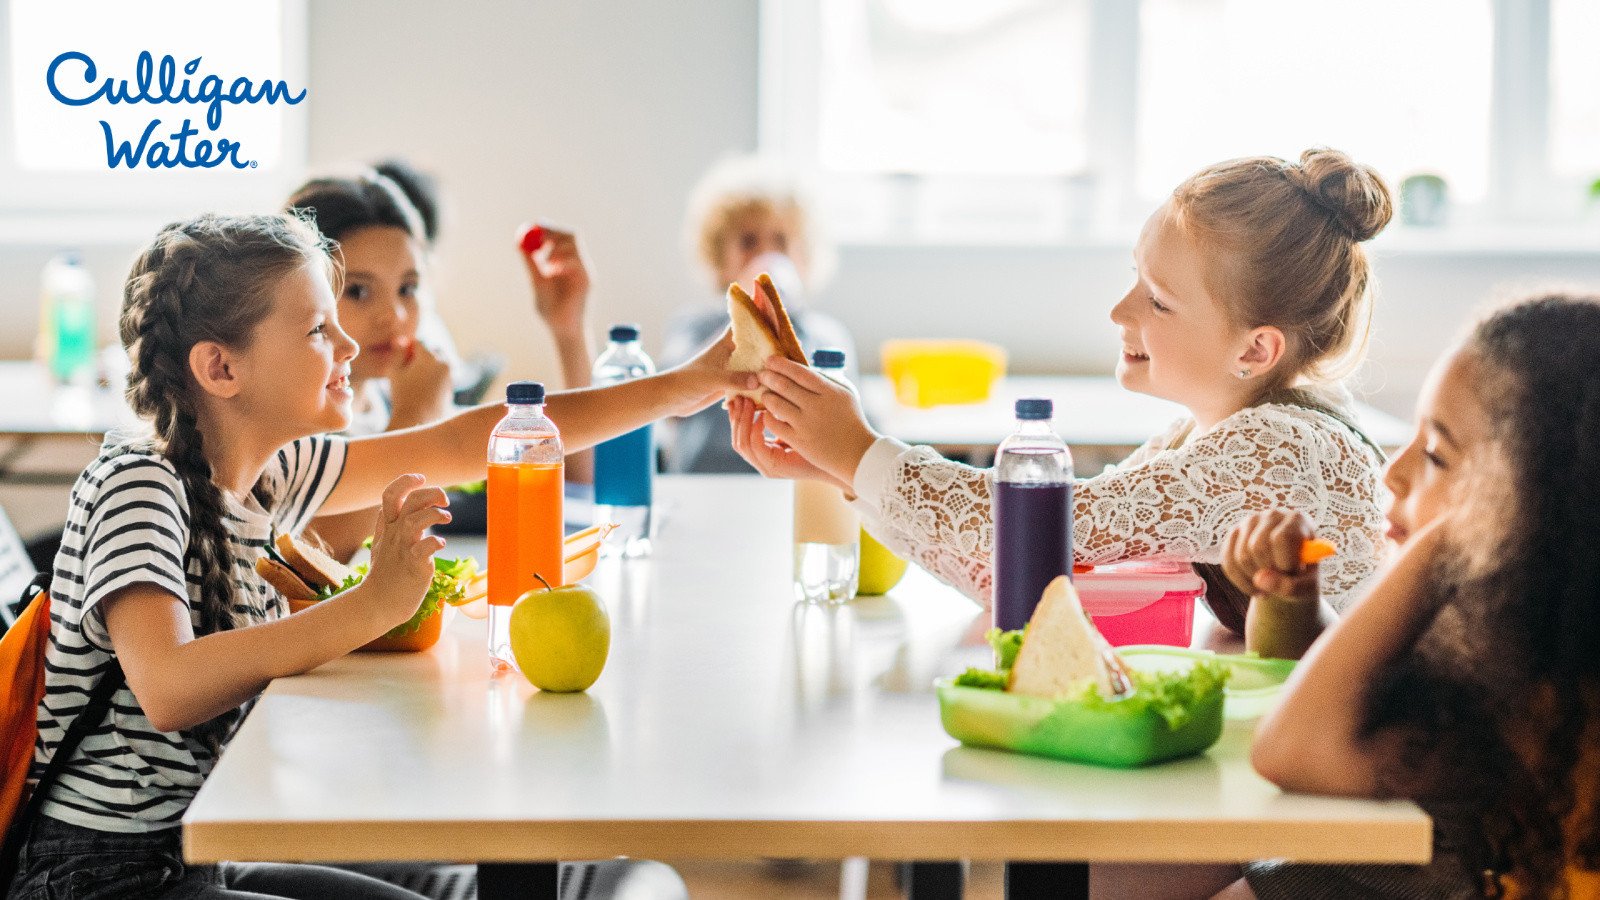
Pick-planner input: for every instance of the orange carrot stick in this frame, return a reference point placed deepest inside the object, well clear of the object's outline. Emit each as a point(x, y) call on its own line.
point(1314, 551)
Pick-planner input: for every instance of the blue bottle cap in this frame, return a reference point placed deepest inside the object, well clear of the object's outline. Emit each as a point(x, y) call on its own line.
point(1034, 409)
point(829, 358)
point(624, 332)
point(525, 392)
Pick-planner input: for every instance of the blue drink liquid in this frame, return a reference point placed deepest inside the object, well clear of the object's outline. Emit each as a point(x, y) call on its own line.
point(624, 469)
point(1033, 546)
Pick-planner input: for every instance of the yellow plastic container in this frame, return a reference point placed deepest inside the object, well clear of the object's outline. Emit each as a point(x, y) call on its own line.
point(939, 372)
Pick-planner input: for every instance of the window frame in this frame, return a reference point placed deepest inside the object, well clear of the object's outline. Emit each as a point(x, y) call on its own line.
point(1523, 190)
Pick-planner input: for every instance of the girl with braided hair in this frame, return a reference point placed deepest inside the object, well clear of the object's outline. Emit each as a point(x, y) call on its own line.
point(242, 370)
point(1251, 297)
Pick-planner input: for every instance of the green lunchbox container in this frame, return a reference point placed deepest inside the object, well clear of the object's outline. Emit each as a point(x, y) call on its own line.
point(1125, 734)
point(1254, 682)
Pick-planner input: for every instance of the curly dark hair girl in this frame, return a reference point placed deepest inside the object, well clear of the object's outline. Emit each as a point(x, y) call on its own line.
point(1499, 701)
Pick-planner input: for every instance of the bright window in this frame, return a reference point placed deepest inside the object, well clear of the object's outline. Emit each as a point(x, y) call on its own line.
point(1403, 85)
point(1035, 121)
point(953, 87)
point(1575, 88)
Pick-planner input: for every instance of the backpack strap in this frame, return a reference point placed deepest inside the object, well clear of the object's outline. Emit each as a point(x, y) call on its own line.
point(91, 717)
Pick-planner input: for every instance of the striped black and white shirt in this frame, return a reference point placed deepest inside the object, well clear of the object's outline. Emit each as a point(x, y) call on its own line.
point(128, 523)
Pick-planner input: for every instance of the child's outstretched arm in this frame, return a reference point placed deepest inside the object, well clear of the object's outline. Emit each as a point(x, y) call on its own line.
point(1263, 557)
point(1312, 740)
point(181, 680)
point(455, 449)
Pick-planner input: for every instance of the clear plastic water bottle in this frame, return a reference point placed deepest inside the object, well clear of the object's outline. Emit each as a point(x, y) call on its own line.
point(1032, 514)
point(625, 467)
point(827, 531)
point(525, 525)
point(67, 319)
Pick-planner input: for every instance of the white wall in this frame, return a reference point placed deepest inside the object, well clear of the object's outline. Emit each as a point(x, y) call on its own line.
point(602, 114)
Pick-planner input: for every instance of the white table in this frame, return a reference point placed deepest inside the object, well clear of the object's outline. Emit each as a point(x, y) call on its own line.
point(34, 407)
point(729, 723)
point(1098, 418)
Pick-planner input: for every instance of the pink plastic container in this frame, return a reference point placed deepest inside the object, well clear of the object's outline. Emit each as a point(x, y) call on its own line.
point(1142, 602)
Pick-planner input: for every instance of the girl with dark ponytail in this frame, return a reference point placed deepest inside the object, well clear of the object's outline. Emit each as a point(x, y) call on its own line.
point(241, 369)
point(382, 223)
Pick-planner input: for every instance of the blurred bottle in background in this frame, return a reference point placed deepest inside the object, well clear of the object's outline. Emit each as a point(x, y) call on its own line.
point(66, 342)
point(625, 466)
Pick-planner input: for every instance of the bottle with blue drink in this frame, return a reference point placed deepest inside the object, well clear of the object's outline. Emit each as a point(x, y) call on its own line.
point(1032, 514)
point(67, 320)
point(625, 467)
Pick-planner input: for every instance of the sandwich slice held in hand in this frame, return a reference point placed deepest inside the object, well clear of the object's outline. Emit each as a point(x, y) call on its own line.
point(761, 329)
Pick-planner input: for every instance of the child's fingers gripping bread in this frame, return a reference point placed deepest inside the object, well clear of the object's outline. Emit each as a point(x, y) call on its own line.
point(758, 333)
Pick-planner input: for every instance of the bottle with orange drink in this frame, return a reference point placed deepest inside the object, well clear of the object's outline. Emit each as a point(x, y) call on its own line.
point(525, 521)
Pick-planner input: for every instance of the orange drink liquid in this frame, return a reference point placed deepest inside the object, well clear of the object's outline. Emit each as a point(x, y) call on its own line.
point(525, 530)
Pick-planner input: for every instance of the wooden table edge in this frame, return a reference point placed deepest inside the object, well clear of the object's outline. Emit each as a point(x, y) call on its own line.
point(1177, 841)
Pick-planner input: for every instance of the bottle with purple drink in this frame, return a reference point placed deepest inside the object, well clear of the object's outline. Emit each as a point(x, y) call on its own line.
point(1032, 514)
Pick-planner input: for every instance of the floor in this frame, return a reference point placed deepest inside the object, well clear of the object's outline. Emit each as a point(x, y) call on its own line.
point(797, 880)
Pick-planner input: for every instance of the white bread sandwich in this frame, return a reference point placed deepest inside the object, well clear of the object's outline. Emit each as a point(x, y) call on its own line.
point(761, 328)
point(1062, 650)
point(299, 570)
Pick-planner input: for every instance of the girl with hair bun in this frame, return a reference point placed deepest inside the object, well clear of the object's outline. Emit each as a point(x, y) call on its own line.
point(1252, 295)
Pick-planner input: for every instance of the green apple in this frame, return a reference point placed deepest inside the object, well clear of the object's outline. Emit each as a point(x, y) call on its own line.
point(560, 637)
point(880, 569)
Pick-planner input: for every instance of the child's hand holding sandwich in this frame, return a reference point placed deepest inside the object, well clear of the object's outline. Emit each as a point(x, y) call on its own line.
point(820, 430)
point(816, 420)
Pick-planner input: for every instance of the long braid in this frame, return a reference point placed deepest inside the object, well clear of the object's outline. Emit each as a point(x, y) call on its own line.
point(159, 387)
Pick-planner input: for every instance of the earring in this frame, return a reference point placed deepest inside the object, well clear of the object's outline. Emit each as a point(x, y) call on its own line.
point(1244, 373)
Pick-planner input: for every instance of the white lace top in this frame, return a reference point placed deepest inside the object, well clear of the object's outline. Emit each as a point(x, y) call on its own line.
point(1158, 503)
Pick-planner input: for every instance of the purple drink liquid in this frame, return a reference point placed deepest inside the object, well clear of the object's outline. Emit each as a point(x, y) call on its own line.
point(1033, 546)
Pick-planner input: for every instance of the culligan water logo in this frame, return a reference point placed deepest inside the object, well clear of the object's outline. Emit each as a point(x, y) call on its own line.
point(74, 79)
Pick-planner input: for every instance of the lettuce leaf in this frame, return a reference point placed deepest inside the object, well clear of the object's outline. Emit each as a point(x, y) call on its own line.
point(1172, 695)
point(982, 678)
point(449, 585)
point(1006, 645)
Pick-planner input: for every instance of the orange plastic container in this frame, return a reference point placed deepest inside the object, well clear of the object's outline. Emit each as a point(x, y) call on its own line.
point(423, 638)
